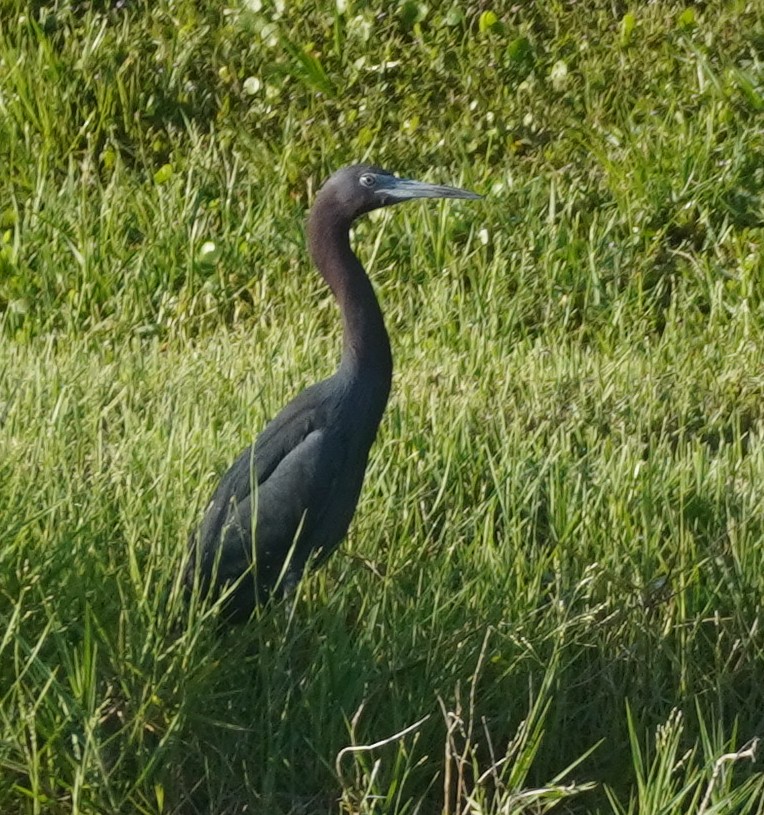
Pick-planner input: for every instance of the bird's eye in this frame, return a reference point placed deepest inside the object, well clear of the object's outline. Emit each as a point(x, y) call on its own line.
point(368, 180)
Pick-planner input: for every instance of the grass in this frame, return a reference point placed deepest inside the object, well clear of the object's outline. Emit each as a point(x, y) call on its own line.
point(550, 597)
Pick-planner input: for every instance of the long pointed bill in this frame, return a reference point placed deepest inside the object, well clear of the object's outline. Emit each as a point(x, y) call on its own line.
point(405, 189)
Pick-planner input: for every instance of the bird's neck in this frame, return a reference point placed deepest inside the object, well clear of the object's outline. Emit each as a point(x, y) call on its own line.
point(366, 346)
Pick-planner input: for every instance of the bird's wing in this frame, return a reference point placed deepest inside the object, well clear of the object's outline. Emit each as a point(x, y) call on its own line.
point(287, 471)
point(288, 506)
point(284, 433)
point(305, 414)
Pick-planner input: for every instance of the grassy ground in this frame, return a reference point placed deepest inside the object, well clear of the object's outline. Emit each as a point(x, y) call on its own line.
point(556, 570)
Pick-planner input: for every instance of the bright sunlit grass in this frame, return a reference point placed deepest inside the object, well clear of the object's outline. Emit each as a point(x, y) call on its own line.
point(550, 598)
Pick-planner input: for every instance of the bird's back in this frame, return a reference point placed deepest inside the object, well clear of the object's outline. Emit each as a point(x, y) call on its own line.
point(288, 497)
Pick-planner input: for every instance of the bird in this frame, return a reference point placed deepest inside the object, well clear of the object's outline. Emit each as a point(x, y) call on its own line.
point(288, 499)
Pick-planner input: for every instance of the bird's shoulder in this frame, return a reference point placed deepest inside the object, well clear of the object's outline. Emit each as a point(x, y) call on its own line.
point(305, 416)
point(310, 411)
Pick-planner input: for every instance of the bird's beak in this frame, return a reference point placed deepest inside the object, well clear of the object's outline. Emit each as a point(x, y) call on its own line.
point(392, 190)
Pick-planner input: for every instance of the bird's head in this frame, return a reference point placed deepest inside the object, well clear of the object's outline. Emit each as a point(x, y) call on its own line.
point(362, 188)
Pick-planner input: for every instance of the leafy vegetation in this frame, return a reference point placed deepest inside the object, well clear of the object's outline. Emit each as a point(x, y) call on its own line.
point(550, 599)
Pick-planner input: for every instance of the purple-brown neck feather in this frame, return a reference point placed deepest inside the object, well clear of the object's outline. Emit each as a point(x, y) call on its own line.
point(366, 346)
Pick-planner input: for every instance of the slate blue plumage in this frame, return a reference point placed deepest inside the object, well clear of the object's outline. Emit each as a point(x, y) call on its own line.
point(296, 488)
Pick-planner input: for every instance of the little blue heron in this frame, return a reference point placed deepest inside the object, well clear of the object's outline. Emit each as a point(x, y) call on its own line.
point(288, 499)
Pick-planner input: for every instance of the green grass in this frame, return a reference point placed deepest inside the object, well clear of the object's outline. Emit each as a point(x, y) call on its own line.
point(556, 569)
